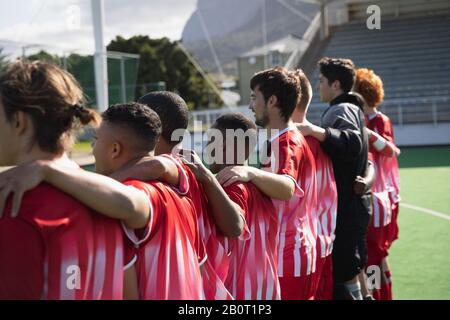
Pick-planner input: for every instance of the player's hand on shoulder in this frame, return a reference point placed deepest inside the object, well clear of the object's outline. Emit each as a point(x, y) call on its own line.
point(191, 159)
point(360, 185)
point(306, 128)
point(230, 175)
point(18, 180)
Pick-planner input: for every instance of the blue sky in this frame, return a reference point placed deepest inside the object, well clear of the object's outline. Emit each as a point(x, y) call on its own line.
point(65, 25)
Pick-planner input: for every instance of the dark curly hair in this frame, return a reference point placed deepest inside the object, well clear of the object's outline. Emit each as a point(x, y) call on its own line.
point(171, 109)
point(234, 121)
point(139, 119)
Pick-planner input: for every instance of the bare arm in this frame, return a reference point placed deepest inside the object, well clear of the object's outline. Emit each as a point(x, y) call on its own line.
point(381, 145)
point(227, 214)
point(309, 129)
point(273, 185)
point(101, 193)
point(150, 168)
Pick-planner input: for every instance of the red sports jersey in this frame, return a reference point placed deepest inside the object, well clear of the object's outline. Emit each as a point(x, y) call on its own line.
point(326, 199)
point(392, 176)
point(58, 249)
point(291, 156)
point(216, 260)
point(167, 262)
point(253, 259)
point(386, 186)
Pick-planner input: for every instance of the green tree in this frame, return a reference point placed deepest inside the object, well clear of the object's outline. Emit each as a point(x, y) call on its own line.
point(82, 67)
point(45, 56)
point(163, 60)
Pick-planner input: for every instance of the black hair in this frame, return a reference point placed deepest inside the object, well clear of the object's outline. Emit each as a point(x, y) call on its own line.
point(171, 109)
point(281, 83)
point(234, 121)
point(342, 70)
point(139, 119)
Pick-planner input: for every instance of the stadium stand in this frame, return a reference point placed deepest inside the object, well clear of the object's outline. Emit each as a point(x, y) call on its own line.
point(411, 53)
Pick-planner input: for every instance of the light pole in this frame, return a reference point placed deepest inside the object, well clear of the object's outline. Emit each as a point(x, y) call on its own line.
point(100, 58)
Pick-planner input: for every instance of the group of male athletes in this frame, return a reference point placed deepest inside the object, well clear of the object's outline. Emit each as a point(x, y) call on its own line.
point(154, 222)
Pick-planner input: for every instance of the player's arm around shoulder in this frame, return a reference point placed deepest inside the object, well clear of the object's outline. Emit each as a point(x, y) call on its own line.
point(276, 186)
point(150, 168)
point(100, 193)
point(227, 214)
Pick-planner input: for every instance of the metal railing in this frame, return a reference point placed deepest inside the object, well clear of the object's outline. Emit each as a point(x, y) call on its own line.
point(400, 111)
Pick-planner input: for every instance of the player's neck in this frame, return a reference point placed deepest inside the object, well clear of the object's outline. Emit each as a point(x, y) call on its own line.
point(278, 123)
point(133, 160)
point(337, 94)
point(37, 154)
point(298, 116)
point(370, 111)
point(164, 148)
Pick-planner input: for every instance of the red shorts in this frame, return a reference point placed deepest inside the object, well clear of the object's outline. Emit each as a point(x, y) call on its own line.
point(392, 233)
point(297, 288)
point(377, 249)
point(324, 266)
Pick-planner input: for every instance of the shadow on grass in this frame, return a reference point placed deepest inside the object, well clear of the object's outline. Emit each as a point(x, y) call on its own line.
point(419, 157)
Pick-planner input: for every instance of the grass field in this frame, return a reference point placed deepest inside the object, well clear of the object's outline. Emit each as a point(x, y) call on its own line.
point(420, 259)
point(83, 147)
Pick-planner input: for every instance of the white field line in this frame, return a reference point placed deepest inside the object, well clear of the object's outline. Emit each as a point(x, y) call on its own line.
point(428, 211)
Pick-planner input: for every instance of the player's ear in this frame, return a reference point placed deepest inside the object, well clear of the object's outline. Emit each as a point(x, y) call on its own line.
point(336, 85)
point(116, 149)
point(272, 101)
point(20, 122)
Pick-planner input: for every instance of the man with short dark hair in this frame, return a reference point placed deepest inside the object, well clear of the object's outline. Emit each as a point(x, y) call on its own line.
point(174, 115)
point(344, 138)
point(218, 217)
point(253, 255)
point(289, 179)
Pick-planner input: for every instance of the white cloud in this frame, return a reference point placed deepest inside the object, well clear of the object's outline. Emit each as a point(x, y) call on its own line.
point(52, 22)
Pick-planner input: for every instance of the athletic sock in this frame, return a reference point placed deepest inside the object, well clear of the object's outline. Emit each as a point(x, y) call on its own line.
point(355, 290)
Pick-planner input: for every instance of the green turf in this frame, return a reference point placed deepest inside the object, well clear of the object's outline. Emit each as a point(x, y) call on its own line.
point(82, 147)
point(425, 157)
point(420, 259)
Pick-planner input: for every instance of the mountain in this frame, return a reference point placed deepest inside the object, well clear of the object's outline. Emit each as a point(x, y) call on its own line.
point(236, 26)
point(220, 17)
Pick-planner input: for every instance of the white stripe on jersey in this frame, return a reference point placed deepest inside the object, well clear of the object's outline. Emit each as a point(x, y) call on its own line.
point(297, 258)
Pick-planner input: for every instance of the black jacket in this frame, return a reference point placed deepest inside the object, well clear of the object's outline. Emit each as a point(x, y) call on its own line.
point(346, 143)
